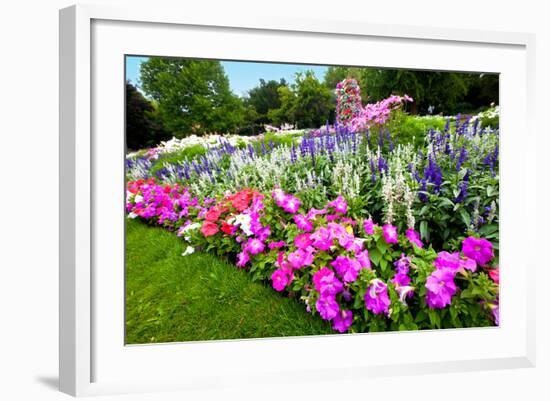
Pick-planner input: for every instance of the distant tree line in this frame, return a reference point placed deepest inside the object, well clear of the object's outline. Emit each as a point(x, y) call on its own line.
point(181, 97)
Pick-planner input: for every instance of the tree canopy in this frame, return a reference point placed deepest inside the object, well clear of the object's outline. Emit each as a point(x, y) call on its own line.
point(193, 96)
point(143, 128)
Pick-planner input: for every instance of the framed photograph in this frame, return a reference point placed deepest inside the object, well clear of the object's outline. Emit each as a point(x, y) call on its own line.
point(290, 199)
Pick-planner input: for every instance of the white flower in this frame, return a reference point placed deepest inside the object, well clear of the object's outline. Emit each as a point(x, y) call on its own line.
point(132, 215)
point(243, 220)
point(188, 251)
point(138, 199)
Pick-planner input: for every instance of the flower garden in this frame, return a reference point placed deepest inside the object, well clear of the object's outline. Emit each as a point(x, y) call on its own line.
point(367, 230)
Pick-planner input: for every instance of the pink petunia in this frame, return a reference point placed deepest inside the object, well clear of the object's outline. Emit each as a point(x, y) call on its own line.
point(327, 307)
point(342, 321)
point(339, 205)
point(303, 223)
point(242, 259)
point(291, 204)
point(377, 299)
point(368, 226)
point(302, 241)
point(280, 279)
point(414, 237)
point(478, 249)
point(254, 246)
point(441, 288)
point(390, 233)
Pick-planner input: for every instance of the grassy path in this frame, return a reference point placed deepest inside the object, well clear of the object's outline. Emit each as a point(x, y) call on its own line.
point(200, 297)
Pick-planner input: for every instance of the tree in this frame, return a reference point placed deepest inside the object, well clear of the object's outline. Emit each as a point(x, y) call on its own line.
point(307, 103)
point(265, 97)
point(193, 96)
point(143, 128)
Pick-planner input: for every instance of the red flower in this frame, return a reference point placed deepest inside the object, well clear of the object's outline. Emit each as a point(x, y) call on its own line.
point(213, 214)
point(209, 229)
point(227, 228)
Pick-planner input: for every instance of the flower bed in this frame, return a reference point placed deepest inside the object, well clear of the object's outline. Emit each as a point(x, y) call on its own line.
point(359, 275)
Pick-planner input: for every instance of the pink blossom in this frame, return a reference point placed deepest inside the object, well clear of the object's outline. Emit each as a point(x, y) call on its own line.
point(363, 259)
point(326, 282)
point(342, 321)
point(347, 268)
point(327, 307)
point(302, 241)
point(279, 196)
point(242, 259)
point(275, 245)
point(377, 299)
point(368, 226)
point(291, 204)
point(322, 239)
point(478, 249)
point(390, 233)
point(494, 274)
point(339, 204)
point(414, 237)
point(446, 260)
point(441, 288)
point(313, 213)
point(303, 223)
point(300, 258)
point(280, 279)
point(254, 246)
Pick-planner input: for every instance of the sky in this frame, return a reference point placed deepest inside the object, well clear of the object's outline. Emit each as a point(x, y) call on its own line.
point(242, 75)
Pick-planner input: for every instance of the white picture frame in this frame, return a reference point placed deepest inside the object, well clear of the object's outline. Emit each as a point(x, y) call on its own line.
point(92, 355)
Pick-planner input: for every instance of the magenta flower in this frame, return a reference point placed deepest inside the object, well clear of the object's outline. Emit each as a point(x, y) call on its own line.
point(313, 213)
point(363, 259)
point(276, 245)
point(414, 237)
point(302, 241)
point(280, 279)
point(322, 239)
point(468, 264)
point(368, 226)
point(347, 268)
point(446, 260)
point(327, 307)
point(339, 204)
point(326, 282)
point(377, 299)
point(402, 264)
point(300, 258)
point(279, 196)
point(478, 249)
point(254, 246)
point(242, 259)
point(441, 288)
point(401, 279)
point(390, 233)
point(342, 321)
point(303, 223)
point(291, 204)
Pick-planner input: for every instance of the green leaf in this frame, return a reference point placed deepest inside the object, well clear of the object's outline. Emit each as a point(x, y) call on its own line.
point(465, 217)
point(375, 256)
point(424, 229)
point(382, 245)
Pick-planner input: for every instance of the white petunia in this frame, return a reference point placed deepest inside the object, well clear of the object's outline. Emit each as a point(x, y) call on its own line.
point(188, 251)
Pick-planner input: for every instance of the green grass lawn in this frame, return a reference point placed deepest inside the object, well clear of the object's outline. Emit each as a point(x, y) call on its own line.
point(170, 297)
